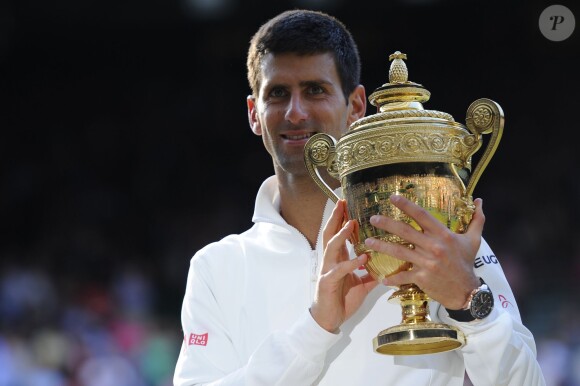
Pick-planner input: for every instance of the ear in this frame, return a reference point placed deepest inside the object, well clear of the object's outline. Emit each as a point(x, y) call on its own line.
point(253, 115)
point(357, 104)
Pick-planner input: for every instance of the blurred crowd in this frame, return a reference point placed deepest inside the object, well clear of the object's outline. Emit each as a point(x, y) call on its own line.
point(83, 334)
point(63, 330)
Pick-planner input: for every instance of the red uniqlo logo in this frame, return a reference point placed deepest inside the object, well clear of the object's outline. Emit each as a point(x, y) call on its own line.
point(199, 340)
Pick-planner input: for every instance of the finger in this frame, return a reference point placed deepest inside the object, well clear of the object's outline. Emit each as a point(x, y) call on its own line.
point(475, 227)
point(478, 220)
point(337, 242)
point(398, 251)
point(421, 216)
point(334, 222)
point(369, 281)
point(399, 228)
point(400, 278)
point(344, 268)
point(333, 253)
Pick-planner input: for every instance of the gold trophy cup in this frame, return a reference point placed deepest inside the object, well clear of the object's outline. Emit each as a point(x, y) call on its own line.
point(423, 155)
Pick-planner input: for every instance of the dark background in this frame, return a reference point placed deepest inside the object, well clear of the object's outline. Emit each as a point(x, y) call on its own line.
point(125, 147)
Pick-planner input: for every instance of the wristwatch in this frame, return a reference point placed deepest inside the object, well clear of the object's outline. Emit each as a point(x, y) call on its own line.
point(479, 305)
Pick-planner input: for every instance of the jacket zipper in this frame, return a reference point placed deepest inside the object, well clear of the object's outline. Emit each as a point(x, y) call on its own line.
point(314, 257)
point(313, 266)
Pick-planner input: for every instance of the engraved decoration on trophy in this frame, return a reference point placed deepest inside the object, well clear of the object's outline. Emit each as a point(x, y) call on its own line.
point(423, 155)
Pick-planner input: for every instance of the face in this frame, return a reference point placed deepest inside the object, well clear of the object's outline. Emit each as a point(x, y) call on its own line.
point(300, 96)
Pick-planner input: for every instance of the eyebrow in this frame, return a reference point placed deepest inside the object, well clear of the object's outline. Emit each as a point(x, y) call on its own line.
point(305, 83)
point(316, 82)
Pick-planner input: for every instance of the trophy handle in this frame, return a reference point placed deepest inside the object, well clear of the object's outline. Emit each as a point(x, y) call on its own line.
point(484, 116)
point(320, 150)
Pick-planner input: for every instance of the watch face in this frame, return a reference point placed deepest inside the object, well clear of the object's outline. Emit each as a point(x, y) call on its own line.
point(481, 304)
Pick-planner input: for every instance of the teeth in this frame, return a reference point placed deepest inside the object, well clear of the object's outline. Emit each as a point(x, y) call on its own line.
point(297, 137)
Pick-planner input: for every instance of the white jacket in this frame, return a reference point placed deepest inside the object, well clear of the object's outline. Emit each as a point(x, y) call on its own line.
point(245, 320)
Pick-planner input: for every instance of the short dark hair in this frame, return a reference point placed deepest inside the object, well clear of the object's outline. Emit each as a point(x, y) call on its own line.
point(305, 32)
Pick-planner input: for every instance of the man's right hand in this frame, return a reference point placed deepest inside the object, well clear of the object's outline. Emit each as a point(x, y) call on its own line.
point(339, 291)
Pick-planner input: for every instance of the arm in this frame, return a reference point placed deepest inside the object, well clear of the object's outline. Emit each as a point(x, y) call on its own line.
point(295, 356)
point(499, 349)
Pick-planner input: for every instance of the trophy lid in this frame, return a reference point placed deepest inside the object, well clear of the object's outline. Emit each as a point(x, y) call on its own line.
point(402, 131)
point(400, 98)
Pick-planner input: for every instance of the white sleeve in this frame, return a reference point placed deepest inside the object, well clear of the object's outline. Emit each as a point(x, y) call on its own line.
point(293, 357)
point(499, 349)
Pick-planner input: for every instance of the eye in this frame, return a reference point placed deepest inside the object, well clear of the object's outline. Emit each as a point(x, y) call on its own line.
point(278, 92)
point(316, 89)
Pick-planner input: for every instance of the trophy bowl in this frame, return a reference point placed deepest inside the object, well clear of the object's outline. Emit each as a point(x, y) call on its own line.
point(423, 155)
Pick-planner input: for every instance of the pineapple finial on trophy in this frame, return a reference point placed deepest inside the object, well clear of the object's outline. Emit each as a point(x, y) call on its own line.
point(399, 93)
point(398, 72)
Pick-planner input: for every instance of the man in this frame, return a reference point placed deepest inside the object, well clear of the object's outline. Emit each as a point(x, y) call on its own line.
point(284, 303)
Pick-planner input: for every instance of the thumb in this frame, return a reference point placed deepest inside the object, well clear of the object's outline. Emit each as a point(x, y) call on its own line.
point(475, 227)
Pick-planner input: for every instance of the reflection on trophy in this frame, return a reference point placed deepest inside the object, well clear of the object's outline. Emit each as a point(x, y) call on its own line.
point(423, 155)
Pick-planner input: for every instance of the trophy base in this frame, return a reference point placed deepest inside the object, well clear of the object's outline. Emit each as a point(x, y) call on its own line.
point(419, 338)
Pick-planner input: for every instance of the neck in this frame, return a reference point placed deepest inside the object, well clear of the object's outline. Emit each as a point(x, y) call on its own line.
point(302, 204)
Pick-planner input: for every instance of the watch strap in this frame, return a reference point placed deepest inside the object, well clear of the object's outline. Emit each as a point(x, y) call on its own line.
point(464, 314)
point(461, 315)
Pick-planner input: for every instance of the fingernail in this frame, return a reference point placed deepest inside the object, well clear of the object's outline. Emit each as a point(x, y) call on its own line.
point(374, 219)
point(370, 241)
point(395, 198)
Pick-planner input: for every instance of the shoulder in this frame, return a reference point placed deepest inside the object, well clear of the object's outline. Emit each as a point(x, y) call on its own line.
point(217, 249)
point(229, 250)
point(216, 264)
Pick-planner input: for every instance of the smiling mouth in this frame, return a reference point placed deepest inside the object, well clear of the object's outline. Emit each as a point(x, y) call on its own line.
point(297, 137)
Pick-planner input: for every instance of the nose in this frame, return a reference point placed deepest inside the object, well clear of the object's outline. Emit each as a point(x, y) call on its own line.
point(296, 110)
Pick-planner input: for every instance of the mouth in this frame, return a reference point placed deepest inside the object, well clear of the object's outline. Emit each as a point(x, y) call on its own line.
point(297, 136)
